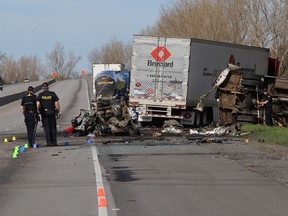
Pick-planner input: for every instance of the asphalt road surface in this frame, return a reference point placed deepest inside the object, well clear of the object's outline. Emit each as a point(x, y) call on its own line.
point(124, 176)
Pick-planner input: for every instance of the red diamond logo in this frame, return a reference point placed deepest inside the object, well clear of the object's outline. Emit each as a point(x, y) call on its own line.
point(160, 54)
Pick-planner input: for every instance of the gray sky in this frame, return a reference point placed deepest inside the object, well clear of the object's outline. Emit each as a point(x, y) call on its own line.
point(33, 27)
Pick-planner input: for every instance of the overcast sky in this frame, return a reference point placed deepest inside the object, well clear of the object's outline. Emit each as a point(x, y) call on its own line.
point(33, 27)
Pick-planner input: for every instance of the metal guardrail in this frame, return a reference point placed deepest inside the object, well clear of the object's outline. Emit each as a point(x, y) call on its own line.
point(17, 96)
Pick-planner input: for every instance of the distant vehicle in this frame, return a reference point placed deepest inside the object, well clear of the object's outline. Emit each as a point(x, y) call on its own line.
point(1, 87)
point(14, 82)
point(26, 80)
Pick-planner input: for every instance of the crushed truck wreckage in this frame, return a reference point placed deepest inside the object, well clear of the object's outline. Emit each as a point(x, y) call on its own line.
point(109, 112)
point(108, 116)
point(239, 93)
point(238, 90)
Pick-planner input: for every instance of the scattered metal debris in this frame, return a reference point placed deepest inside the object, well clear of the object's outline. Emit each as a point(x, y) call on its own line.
point(219, 131)
point(109, 115)
point(172, 127)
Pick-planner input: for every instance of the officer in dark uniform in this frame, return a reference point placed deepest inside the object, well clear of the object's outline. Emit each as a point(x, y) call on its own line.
point(266, 102)
point(49, 108)
point(29, 110)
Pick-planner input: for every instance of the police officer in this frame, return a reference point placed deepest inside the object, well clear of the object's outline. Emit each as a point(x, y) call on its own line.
point(267, 104)
point(29, 110)
point(49, 108)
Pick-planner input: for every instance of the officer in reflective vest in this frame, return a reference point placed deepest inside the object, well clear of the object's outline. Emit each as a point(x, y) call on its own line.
point(49, 108)
point(29, 110)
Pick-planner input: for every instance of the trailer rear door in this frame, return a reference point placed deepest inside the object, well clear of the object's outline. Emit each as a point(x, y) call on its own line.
point(159, 70)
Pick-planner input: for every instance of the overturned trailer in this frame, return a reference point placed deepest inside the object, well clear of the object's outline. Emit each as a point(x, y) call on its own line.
point(239, 92)
point(237, 97)
point(278, 88)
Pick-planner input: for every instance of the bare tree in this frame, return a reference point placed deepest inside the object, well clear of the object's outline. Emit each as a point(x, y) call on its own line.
point(260, 23)
point(114, 51)
point(61, 63)
point(2, 57)
point(18, 70)
point(221, 20)
point(2, 60)
point(267, 26)
point(29, 67)
point(276, 20)
point(10, 68)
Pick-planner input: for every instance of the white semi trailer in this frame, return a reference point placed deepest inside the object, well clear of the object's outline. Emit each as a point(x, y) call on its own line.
point(169, 75)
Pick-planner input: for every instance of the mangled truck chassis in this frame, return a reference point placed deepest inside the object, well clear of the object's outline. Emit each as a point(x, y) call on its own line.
point(107, 116)
point(240, 91)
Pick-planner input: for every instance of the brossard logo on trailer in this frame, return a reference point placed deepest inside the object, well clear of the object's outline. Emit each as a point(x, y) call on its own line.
point(160, 54)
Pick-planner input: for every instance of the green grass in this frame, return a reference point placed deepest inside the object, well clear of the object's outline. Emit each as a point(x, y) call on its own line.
point(275, 135)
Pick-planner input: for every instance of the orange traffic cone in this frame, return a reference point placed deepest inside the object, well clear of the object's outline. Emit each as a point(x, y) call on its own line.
point(102, 202)
point(101, 192)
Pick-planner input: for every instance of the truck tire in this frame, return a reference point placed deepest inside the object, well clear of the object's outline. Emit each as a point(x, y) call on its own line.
point(158, 122)
point(205, 117)
point(145, 124)
point(197, 120)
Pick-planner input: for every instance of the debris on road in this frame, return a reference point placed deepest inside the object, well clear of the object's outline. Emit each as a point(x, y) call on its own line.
point(172, 127)
point(219, 131)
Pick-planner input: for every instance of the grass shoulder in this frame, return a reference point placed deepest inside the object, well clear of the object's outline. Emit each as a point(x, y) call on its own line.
point(262, 133)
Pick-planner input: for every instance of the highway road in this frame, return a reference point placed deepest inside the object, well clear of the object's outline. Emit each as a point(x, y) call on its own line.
point(73, 95)
point(122, 176)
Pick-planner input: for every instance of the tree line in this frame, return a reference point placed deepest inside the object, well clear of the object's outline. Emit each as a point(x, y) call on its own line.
point(31, 67)
point(261, 23)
